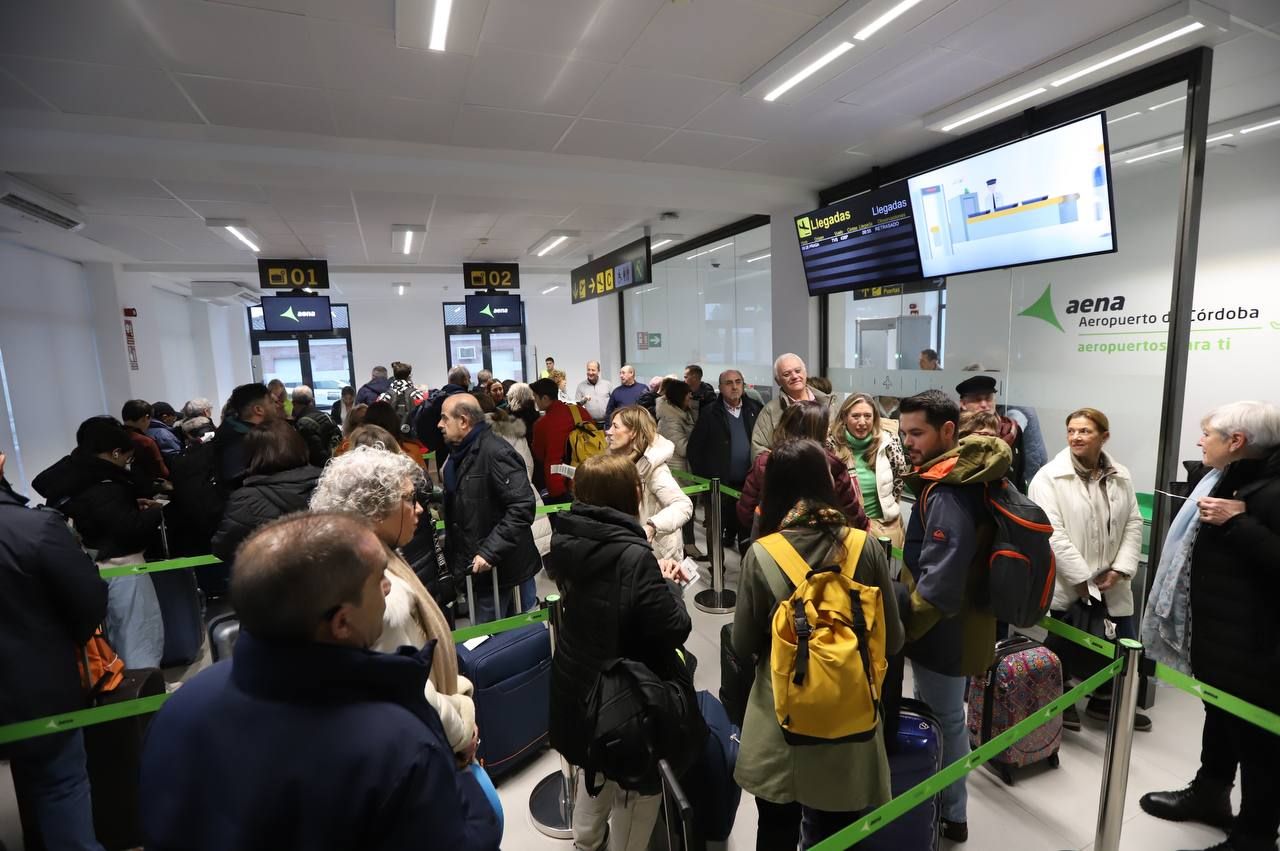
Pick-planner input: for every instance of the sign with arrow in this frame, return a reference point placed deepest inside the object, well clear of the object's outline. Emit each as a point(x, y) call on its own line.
point(494, 311)
point(294, 313)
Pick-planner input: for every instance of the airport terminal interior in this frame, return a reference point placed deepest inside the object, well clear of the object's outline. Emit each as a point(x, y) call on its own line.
point(1074, 200)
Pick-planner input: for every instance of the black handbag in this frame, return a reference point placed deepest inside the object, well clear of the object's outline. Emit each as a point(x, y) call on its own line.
point(1087, 616)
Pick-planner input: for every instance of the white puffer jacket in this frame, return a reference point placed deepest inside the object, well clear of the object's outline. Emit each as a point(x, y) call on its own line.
point(1090, 535)
point(662, 502)
point(513, 431)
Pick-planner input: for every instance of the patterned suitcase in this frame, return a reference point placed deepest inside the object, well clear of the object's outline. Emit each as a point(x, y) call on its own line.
point(1024, 678)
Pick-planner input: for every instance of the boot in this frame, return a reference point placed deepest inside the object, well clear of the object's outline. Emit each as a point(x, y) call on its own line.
point(1198, 802)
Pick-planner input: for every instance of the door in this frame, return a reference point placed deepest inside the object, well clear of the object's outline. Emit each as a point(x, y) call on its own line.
point(319, 359)
point(330, 362)
point(281, 359)
point(500, 350)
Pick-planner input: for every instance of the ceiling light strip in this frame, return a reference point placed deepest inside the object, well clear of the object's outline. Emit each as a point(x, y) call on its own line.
point(660, 243)
point(761, 257)
point(1166, 103)
point(234, 231)
point(1261, 126)
point(880, 22)
point(708, 251)
point(1123, 118)
point(989, 110)
point(440, 24)
point(1218, 138)
point(408, 241)
point(1153, 154)
point(551, 246)
point(809, 70)
point(1133, 51)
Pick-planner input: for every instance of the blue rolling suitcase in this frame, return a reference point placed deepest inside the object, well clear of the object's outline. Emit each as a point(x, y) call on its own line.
point(916, 757)
point(709, 781)
point(511, 673)
point(183, 616)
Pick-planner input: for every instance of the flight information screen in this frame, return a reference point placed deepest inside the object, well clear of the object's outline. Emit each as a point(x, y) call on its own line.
point(860, 242)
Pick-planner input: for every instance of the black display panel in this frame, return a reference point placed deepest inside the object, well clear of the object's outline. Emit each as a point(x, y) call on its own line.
point(297, 313)
point(628, 266)
point(489, 311)
point(859, 242)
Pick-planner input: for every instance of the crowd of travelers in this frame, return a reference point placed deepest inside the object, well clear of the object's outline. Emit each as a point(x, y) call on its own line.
point(342, 720)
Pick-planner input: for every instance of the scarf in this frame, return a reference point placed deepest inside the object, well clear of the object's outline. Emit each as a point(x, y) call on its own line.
point(444, 660)
point(1091, 474)
point(810, 515)
point(457, 453)
point(1166, 623)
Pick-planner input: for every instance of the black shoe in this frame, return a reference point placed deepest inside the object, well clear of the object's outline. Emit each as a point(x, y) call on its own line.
point(1071, 718)
point(956, 831)
point(1244, 843)
point(1194, 803)
point(692, 551)
point(1100, 710)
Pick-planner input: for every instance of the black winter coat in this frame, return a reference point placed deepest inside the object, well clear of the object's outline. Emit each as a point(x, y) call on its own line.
point(196, 504)
point(710, 443)
point(320, 432)
point(102, 500)
point(1235, 587)
point(491, 512)
point(229, 455)
point(426, 421)
point(261, 500)
point(51, 599)
point(612, 596)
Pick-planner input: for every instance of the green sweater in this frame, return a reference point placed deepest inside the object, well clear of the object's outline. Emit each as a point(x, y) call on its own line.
point(866, 476)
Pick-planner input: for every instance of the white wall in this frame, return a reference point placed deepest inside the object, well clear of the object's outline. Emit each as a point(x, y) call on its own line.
point(51, 375)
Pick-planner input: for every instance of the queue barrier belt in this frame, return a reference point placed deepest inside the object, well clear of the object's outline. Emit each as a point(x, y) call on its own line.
point(144, 705)
point(1242, 709)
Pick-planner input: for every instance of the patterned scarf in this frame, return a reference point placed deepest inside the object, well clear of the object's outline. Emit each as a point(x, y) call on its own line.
point(812, 515)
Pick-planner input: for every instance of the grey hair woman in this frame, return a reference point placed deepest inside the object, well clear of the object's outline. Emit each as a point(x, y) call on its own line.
point(381, 486)
point(1218, 572)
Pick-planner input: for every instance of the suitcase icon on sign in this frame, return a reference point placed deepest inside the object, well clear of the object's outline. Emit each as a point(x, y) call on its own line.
point(278, 277)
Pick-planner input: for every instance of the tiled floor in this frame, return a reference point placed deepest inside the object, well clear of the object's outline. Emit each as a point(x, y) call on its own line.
point(1047, 809)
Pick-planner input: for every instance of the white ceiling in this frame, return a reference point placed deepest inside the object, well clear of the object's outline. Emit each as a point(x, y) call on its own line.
point(305, 119)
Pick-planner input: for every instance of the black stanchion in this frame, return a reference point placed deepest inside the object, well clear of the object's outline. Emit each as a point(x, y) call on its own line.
point(717, 599)
point(551, 802)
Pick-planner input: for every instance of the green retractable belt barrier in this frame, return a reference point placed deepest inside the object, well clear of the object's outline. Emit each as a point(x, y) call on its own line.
point(1255, 715)
point(157, 566)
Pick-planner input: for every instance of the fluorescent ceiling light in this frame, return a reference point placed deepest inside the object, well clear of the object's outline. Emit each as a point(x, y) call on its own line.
point(1261, 126)
point(1166, 103)
point(408, 241)
point(1153, 154)
point(234, 231)
point(440, 24)
point(1123, 118)
point(402, 237)
point(708, 251)
point(552, 245)
point(1219, 137)
point(1133, 51)
point(401, 286)
point(761, 257)
point(826, 59)
point(658, 240)
point(947, 128)
point(879, 23)
point(660, 243)
point(550, 290)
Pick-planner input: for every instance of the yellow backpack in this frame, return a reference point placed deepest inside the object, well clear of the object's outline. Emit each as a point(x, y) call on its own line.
point(828, 658)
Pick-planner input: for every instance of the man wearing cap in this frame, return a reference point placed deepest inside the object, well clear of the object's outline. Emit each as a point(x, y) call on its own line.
point(979, 394)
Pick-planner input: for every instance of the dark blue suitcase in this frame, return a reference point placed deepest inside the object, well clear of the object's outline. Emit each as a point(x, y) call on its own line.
point(916, 758)
point(709, 782)
point(511, 673)
point(183, 616)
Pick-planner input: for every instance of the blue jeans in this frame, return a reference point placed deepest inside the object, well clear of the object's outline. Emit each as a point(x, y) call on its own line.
point(483, 586)
point(945, 696)
point(52, 786)
point(135, 628)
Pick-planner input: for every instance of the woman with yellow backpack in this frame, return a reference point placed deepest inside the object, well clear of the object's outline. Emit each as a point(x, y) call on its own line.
point(817, 612)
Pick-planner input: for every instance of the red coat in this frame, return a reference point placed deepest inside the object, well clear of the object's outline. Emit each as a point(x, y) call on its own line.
point(147, 459)
point(550, 434)
point(846, 494)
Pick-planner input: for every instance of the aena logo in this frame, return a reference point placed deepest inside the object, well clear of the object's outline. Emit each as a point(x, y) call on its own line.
point(489, 311)
point(1043, 309)
point(299, 316)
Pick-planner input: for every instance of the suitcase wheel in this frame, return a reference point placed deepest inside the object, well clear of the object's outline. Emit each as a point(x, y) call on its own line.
point(1006, 774)
point(1054, 762)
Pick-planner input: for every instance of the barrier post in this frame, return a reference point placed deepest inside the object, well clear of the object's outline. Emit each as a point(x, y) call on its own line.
point(551, 802)
point(717, 599)
point(1115, 766)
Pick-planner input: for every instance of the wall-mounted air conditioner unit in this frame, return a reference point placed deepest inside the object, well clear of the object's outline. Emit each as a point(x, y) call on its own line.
point(36, 205)
point(229, 293)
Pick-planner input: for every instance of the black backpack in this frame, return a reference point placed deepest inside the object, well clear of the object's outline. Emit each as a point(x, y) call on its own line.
point(402, 401)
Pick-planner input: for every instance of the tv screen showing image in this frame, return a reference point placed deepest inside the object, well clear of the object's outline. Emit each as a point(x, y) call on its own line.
point(285, 313)
point(859, 242)
point(492, 311)
point(1046, 197)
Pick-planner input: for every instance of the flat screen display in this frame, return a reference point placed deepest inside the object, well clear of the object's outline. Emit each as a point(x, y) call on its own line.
point(297, 313)
point(859, 242)
point(488, 311)
point(1046, 197)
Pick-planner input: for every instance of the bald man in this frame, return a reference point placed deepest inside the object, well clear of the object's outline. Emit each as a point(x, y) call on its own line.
point(488, 510)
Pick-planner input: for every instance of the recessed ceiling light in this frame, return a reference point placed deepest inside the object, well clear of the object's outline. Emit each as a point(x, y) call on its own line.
point(234, 231)
point(1124, 118)
point(1133, 51)
point(879, 23)
point(811, 69)
point(440, 24)
point(658, 240)
point(659, 243)
point(1261, 126)
point(551, 241)
point(550, 290)
point(708, 251)
point(401, 286)
point(1166, 103)
point(403, 237)
point(1219, 137)
point(552, 245)
point(1154, 154)
point(947, 128)
point(757, 257)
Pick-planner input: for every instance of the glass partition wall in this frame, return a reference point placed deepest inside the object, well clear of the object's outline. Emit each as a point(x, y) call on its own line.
point(708, 306)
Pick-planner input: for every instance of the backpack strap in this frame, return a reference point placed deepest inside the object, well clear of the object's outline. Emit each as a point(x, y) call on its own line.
point(793, 566)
